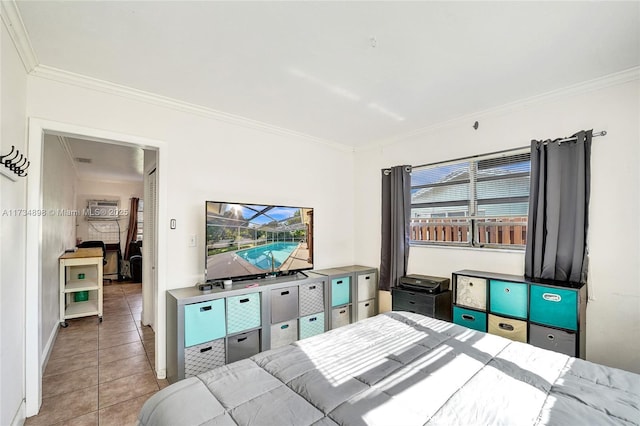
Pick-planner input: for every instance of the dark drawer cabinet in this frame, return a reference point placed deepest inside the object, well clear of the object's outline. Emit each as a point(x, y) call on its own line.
point(432, 305)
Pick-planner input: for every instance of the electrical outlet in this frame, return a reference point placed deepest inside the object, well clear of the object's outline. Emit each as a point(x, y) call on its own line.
point(193, 241)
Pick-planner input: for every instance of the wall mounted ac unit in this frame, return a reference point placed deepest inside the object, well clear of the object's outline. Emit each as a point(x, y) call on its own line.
point(103, 209)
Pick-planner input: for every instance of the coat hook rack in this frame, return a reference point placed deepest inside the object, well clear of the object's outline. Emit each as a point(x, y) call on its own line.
point(16, 163)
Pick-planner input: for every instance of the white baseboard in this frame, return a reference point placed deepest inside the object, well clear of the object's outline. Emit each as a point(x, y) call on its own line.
point(46, 353)
point(19, 418)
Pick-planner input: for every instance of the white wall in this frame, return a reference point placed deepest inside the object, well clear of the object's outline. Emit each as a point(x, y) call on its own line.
point(99, 190)
point(13, 86)
point(613, 314)
point(210, 159)
point(58, 234)
point(215, 160)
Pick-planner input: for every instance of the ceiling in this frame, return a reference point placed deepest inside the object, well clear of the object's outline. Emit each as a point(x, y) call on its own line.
point(352, 72)
point(106, 162)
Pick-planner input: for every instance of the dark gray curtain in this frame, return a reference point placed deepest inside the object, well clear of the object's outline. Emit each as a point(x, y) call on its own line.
point(559, 209)
point(132, 231)
point(396, 210)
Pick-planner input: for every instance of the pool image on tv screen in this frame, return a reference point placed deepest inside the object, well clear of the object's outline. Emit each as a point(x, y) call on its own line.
point(250, 240)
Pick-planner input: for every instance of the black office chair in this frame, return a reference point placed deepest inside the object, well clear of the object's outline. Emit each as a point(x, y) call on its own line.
point(97, 244)
point(135, 261)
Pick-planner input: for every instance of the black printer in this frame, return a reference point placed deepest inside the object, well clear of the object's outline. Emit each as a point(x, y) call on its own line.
point(424, 283)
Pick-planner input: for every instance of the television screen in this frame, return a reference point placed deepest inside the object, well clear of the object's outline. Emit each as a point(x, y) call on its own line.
point(249, 240)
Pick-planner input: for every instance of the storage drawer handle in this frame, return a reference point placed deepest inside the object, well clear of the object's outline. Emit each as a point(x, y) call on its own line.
point(551, 297)
point(505, 326)
point(205, 308)
point(411, 302)
point(367, 277)
point(313, 287)
point(550, 336)
point(468, 317)
point(242, 339)
point(313, 319)
point(244, 300)
point(284, 293)
point(507, 290)
point(284, 326)
point(339, 282)
point(208, 348)
point(413, 294)
point(366, 304)
point(343, 311)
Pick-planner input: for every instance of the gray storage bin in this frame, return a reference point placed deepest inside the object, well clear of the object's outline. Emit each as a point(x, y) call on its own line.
point(340, 316)
point(284, 333)
point(367, 286)
point(243, 345)
point(553, 339)
point(311, 298)
point(284, 304)
point(203, 357)
point(366, 309)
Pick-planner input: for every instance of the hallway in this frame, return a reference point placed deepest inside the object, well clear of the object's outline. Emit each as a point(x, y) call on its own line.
point(101, 373)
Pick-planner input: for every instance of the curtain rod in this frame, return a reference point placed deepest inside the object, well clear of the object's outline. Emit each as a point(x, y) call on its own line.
point(387, 171)
point(601, 133)
point(595, 134)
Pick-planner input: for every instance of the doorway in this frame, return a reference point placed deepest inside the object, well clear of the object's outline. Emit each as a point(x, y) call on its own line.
point(35, 356)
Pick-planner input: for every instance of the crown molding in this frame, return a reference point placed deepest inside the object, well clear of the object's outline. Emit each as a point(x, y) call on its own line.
point(67, 149)
point(62, 76)
point(609, 80)
point(18, 32)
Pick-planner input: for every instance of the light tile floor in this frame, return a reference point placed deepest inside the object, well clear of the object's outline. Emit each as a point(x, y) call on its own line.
point(101, 373)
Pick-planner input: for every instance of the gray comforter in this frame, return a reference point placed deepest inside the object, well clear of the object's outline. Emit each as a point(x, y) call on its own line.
point(402, 369)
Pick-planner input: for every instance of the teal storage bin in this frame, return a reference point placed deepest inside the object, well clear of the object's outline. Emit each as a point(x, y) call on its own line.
point(470, 319)
point(243, 312)
point(508, 298)
point(311, 325)
point(81, 296)
point(557, 307)
point(203, 322)
point(340, 291)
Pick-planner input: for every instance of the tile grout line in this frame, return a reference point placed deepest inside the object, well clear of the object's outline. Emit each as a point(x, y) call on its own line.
point(117, 294)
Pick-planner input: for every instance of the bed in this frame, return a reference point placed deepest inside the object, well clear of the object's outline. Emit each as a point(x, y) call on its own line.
point(400, 368)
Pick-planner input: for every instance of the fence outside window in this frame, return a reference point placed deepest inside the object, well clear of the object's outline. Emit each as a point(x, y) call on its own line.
point(480, 201)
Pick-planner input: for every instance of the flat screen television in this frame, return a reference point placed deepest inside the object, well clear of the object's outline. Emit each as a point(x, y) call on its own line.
point(245, 241)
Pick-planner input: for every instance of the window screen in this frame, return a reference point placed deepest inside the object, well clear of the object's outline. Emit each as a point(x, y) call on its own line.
point(480, 201)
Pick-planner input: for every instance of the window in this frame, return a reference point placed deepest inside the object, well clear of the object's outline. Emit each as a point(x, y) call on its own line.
point(480, 201)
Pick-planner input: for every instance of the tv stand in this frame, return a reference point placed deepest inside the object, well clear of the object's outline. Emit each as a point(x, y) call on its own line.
point(211, 328)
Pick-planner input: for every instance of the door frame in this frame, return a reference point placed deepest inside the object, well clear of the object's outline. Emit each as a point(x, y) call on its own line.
point(33, 358)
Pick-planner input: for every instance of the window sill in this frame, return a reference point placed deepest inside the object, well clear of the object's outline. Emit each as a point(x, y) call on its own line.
point(482, 249)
